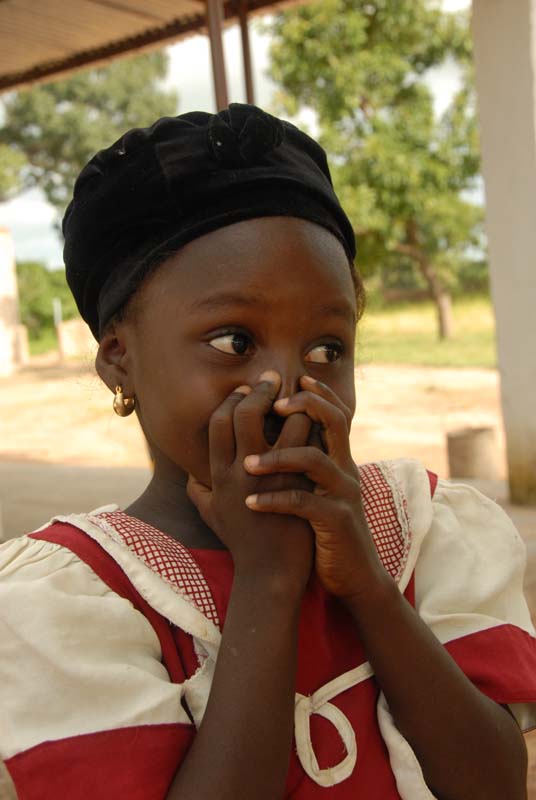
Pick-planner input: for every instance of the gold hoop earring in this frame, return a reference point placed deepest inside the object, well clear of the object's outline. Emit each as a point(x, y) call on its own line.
point(123, 406)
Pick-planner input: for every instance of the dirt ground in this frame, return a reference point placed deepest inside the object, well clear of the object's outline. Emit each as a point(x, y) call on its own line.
point(62, 414)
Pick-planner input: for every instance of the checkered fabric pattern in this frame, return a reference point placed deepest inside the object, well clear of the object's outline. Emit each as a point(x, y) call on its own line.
point(383, 519)
point(176, 565)
point(165, 556)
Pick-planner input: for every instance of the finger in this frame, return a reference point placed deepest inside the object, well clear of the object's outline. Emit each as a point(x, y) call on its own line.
point(249, 415)
point(221, 437)
point(315, 438)
point(331, 418)
point(295, 431)
point(310, 461)
point(318, 510)
point(311, 384)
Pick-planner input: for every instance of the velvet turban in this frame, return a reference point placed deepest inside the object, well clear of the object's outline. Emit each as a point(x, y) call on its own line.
point(141, 199)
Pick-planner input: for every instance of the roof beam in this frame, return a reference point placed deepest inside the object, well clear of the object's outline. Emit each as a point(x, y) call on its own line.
point(150, 38)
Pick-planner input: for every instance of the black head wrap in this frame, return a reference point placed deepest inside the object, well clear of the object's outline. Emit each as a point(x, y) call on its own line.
point(158, 188)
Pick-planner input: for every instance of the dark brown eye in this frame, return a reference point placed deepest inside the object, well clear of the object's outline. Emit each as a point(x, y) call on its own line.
point(331, 351)
point(233, 343)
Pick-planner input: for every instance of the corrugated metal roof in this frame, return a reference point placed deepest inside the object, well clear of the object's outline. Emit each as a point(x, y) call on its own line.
point(39, 40)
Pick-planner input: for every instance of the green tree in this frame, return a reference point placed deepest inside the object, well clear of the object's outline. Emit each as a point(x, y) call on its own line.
point(57, 127)
point(401, 173)
point(38, 286)
point(12, 164)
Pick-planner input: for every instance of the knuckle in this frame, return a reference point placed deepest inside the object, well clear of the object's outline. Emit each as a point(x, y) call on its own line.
point(220, 418)
point(344, 514)
point(276, 457)
point(303, 398)
point(297, 498)
point(268, 499)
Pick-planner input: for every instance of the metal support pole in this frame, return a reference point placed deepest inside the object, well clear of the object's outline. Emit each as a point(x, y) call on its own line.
point(215, 26)
point(246, 50)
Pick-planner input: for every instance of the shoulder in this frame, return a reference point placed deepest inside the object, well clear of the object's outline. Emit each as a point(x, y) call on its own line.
point(28, 559)
point(471, 565)
point(66, 635)
point(438, 507)
point(45, 586)
point(466, 520)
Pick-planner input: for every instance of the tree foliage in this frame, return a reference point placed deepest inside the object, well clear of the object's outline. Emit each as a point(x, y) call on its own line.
point(38, 286)
point(12, 164)
point(57, 127)
point(401, 173)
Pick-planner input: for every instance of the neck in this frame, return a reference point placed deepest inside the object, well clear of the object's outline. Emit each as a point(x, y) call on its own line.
point(166, 506)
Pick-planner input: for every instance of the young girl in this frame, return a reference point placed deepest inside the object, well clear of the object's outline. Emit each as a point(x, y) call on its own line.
point(267, 620)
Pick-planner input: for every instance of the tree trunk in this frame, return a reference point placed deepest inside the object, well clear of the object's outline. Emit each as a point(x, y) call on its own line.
point(441, 298)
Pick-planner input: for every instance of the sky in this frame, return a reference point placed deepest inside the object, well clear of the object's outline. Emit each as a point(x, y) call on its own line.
point(31, 219)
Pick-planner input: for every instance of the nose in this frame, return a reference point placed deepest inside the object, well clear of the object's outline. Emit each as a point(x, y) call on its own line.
point(290, 383)
point(289, 369)
point(290, 378)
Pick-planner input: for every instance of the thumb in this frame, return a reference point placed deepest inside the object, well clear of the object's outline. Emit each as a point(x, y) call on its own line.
point(200, 495)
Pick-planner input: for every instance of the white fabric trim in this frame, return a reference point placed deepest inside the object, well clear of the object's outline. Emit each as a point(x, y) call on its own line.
point(406, 768)
point(410, 486)
point(318, 703)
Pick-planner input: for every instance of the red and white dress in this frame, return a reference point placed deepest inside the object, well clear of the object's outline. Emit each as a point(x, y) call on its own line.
point(109, 633)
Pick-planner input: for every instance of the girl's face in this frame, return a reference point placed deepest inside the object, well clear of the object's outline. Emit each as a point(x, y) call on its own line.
point(269, 293)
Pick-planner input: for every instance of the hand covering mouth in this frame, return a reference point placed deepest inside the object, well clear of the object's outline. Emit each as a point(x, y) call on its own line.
point(273, 425)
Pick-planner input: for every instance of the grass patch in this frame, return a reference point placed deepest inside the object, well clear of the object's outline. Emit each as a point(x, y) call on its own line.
point(45, 342)
point(407, 334)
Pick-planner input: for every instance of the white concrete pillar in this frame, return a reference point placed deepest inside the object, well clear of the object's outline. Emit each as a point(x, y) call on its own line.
point(10, 335)
point(504, 33)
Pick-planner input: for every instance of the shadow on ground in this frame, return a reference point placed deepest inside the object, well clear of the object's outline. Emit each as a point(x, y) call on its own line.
point(31, 492)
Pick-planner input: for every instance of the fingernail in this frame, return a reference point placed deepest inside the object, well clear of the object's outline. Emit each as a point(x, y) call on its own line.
point(269, 375)
point(282, 403)
point(251, 500)
point(242, 389)
point(252, 461)
point(308, 379)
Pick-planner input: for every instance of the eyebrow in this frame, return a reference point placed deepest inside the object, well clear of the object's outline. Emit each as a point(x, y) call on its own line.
point(256, 301)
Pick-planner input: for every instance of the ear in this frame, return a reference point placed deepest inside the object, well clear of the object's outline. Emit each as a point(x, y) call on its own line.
point(112, 360)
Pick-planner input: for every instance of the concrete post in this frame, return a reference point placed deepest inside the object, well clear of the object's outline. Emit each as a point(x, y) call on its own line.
point(504, 33)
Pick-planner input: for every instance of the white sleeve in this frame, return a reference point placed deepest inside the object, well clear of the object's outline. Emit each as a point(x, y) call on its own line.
point(469, 591)
point(75, 657)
